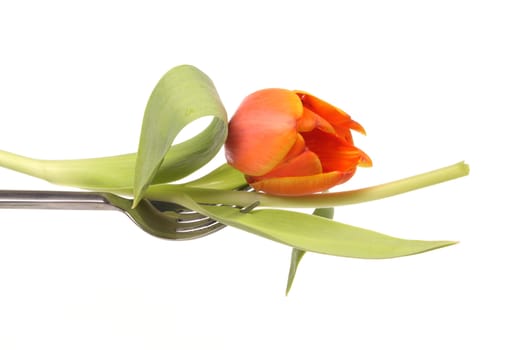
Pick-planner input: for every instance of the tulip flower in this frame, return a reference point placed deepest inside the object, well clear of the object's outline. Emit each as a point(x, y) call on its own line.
point(288, 144)
point(291, 143)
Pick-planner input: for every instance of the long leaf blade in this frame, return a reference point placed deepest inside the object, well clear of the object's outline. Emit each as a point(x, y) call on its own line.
point(314, 233)
point(183, 95)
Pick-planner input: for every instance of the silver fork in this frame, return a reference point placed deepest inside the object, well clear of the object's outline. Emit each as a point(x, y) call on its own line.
point(160, 219)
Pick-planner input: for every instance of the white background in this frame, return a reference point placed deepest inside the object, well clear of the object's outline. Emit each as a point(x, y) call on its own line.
point(433, 83)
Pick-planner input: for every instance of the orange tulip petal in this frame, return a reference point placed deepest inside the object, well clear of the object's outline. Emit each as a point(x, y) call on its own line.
point(339, 119)
point(346, 176)
point(307, 122)
point(263, 130)
point(365, 160)
point(302, 185)
point(307, 163)
point(357, 127)
point(335, 153)
point(311, 120)
point(298, 148)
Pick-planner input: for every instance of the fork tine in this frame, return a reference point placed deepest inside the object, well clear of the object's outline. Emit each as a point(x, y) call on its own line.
point(190, 222)
point(201, 230)
point(187, 220)
point(178, 211)
point(166, 225)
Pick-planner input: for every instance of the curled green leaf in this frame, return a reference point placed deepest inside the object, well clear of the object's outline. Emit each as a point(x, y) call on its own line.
point(182, 95)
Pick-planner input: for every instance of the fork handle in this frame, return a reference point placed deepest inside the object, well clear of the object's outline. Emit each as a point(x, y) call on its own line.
point(23, 199)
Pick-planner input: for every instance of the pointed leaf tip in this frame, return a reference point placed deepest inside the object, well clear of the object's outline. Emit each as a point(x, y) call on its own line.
point(298, 254)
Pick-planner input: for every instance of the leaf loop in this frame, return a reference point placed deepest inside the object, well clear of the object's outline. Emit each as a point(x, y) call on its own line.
point(182, 95)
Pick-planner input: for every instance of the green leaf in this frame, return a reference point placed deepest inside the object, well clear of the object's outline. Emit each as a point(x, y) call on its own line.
point(183, 95)
point(297, 254)
point(225, 177)
point(324, 212)
point(314, 233)
point(115, 173)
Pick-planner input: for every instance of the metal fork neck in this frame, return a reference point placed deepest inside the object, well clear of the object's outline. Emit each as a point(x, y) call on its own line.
point(15, 199)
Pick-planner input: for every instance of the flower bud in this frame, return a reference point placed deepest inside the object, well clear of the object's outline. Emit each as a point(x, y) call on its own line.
point(291, 143)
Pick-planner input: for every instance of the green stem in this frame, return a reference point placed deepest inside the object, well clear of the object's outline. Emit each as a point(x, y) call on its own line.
point(25, 165)
point(239, 198)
